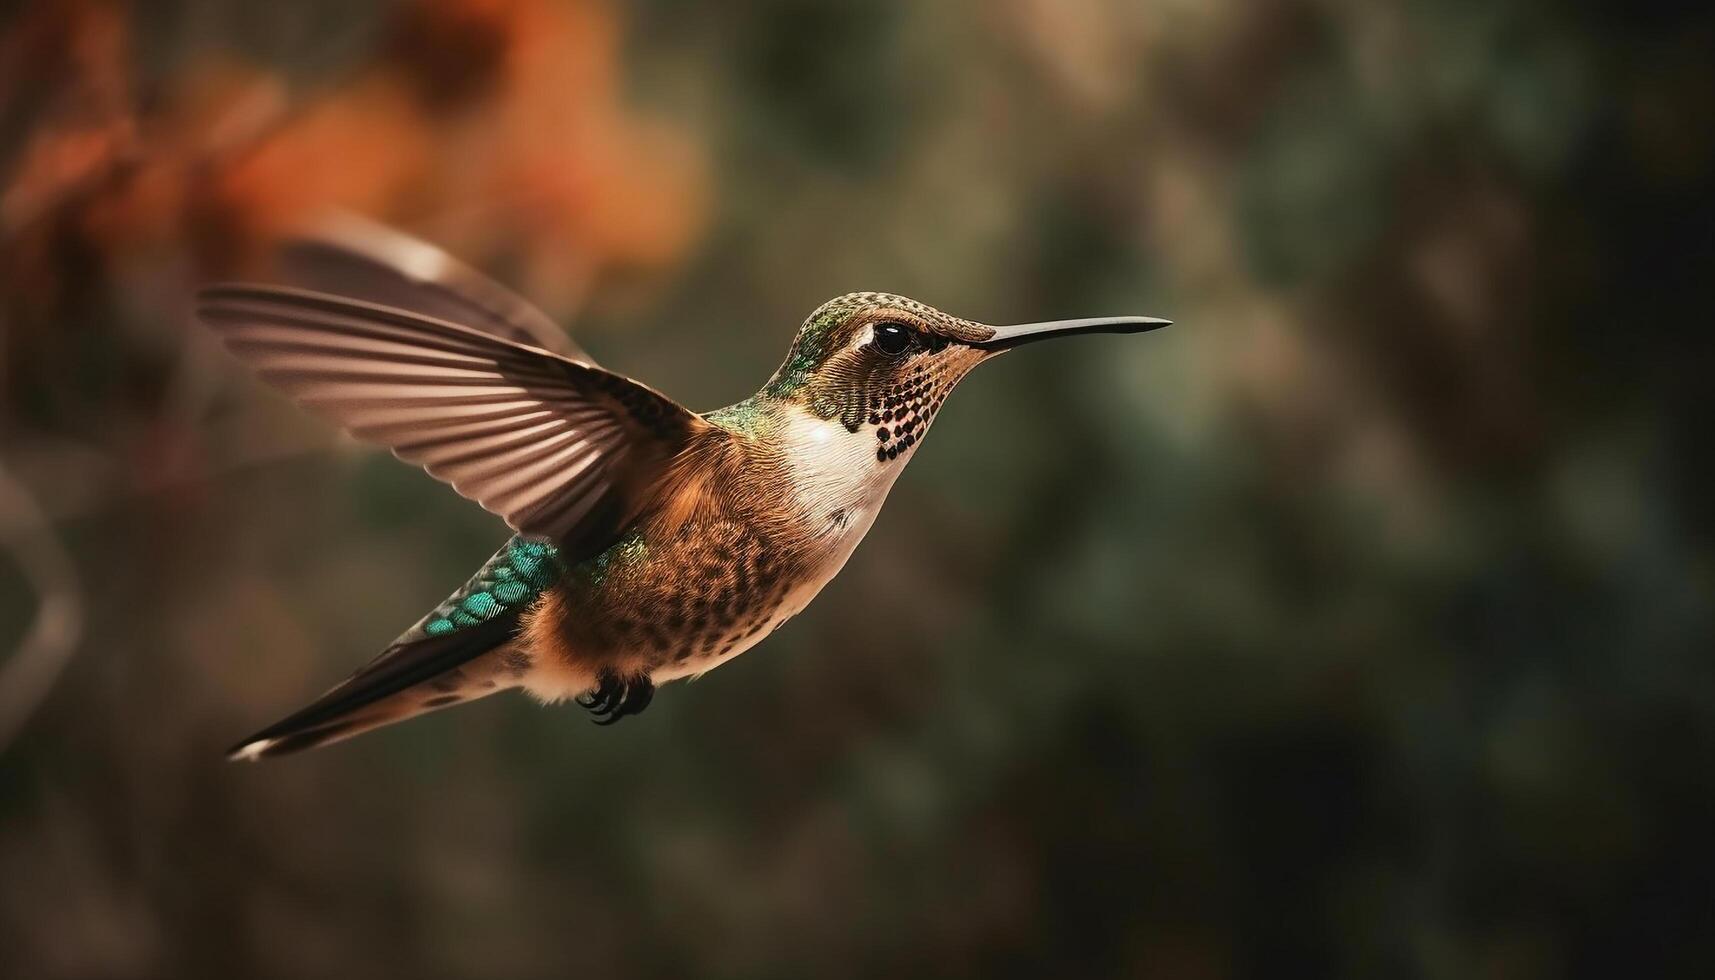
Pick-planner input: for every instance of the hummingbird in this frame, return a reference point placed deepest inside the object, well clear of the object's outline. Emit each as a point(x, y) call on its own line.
point(650, 543)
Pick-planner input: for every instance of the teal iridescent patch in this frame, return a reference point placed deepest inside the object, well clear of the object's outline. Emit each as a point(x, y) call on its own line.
point(511, 580)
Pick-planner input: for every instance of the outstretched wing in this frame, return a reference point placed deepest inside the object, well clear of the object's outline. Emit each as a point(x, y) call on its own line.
point(348, 256)
point(558, 448)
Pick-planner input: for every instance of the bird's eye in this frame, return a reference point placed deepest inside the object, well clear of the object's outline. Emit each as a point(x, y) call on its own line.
point(892, 338)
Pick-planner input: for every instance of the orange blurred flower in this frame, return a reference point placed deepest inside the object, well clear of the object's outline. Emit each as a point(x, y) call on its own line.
point(496, 122)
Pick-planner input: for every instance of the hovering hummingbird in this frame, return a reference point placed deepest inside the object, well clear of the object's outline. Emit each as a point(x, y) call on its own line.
point(652, 543)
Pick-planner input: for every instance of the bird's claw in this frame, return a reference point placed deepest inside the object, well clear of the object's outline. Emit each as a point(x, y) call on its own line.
point(614, 697)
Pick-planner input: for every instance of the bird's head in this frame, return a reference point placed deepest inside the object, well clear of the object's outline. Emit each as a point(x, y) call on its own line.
point(886, 363)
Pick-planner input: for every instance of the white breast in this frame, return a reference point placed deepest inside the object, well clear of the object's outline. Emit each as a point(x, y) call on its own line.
point(840, 484)
point(835, 474)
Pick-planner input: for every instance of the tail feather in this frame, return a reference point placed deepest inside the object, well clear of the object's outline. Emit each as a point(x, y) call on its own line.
point(410, 678)
point(259, 747)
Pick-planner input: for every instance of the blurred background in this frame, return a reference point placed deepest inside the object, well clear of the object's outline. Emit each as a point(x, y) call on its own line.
point(1362, 624)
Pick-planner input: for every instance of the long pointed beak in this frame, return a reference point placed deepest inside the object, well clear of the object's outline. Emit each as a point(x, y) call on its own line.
point(1006, 338)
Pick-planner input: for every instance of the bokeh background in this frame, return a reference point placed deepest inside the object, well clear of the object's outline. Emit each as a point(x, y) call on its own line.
point(1362, 624)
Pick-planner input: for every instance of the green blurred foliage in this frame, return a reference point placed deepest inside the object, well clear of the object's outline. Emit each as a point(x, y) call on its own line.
point(1359, 625)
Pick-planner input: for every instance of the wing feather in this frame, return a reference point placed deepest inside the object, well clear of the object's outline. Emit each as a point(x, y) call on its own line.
point(345, 255)
point(538, 438)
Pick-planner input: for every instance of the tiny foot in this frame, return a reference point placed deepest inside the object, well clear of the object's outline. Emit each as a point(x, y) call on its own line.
point(614, 697)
